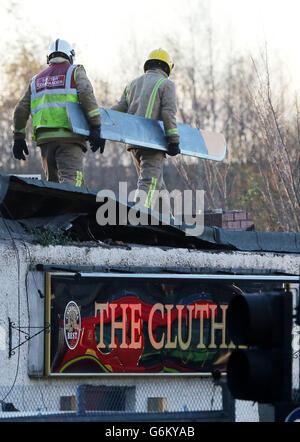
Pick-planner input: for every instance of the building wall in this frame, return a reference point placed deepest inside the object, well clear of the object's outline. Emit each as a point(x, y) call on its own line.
point(19, 284)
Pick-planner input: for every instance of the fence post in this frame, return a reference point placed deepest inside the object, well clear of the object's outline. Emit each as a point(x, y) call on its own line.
point(228, 402)
point(80, 400)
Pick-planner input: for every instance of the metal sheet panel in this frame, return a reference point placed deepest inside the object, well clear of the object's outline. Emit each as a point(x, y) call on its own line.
point(144, 132)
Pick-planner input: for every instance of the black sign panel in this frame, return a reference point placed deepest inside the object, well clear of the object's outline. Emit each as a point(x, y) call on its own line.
point(140, 323)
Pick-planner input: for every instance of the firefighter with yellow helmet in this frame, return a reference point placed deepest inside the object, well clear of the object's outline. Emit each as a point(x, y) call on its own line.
point(45, 100)
point(152, 95)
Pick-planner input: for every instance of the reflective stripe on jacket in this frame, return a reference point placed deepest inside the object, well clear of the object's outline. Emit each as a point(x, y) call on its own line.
point(152, 95)
point(50, 92)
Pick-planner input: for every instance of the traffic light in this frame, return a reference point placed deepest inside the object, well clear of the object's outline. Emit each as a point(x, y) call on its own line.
point(263, 323)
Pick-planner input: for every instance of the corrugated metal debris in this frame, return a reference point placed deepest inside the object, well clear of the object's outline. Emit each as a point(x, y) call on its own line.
point(27, 204)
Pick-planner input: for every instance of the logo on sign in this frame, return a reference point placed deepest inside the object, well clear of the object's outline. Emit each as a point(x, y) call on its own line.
point(72, 325)
point(294, 416)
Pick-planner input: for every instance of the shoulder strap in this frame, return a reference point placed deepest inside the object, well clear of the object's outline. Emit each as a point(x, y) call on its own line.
point(69, 74)
point(33, 87)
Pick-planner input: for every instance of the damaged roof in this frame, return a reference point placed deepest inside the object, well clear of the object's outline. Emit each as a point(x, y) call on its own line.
point(27, 204)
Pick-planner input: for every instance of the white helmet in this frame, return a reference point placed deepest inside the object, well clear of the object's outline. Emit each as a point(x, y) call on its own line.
point(61, 48)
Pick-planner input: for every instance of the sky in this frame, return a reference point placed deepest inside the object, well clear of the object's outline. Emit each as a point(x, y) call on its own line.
point(103, 32)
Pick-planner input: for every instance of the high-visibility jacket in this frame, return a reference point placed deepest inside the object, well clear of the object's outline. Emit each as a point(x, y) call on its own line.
point(51, 90)
point(152, 95)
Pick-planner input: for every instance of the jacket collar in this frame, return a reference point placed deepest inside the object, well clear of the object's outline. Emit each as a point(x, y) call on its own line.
point(157, 71)
point(59, 60)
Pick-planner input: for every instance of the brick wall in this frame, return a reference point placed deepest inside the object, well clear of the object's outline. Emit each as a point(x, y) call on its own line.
point(231, 219)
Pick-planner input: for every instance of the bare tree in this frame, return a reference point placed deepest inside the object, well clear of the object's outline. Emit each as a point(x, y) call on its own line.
point(261, 170)
point(279, 150)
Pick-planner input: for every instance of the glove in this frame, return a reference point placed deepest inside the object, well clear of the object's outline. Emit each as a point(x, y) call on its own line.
point(19, 149)
point(173, 149)
point(95, 140)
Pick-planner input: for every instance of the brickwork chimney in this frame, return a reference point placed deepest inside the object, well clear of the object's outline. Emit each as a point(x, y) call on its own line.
point(230, 220)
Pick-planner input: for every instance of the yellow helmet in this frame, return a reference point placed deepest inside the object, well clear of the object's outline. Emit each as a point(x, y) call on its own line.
point(160, 55)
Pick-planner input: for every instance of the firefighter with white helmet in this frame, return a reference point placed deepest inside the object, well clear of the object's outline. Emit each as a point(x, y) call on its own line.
point(152, 95)
point(47, 95)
